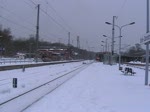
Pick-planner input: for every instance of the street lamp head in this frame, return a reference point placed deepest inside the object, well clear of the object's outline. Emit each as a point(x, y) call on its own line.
point(104, 36)
point(108, 23)
point(132, 23)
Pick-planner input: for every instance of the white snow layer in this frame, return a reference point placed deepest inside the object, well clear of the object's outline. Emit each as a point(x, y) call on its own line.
point(99, 88)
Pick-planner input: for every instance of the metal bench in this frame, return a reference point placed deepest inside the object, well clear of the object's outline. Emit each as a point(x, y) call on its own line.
point(128, 71)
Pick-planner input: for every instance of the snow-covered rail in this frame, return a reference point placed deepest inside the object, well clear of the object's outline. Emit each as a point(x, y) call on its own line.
point(24, 100)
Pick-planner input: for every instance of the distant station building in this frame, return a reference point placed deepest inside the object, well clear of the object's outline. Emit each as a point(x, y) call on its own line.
point(54, 54)
point(20, 55)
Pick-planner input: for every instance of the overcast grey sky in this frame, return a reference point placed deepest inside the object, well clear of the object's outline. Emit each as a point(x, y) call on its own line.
point(84, 18)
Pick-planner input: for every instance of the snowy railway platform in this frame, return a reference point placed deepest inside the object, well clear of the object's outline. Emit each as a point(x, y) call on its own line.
point(99, 88)
point(96, 88)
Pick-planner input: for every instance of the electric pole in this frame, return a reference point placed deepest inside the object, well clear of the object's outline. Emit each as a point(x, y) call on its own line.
point(147, 45)
point(113, 35)
point(37, 32)
point(68, 39)
point(69, 50)
point(78, 42)
point(78, 47)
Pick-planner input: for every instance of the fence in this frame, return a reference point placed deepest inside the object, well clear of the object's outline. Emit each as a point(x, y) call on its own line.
point(15, 60)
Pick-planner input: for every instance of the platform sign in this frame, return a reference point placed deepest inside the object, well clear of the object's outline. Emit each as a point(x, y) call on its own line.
point(14, 82)
point(145, 39)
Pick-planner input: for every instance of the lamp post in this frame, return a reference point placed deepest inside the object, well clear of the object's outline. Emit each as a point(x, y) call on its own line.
point(120, 35)
point(1, 47)
point(147, 44)
point(91, 52)
point(107, 41)
point(30, 48)
point(103, 48)
point(112, 46)
point(105, 44)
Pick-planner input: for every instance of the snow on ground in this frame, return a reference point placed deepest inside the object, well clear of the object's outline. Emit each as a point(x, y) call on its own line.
point(31, 78)
point(99, 88)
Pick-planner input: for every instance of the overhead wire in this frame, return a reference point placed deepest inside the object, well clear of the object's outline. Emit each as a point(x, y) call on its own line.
point(48, 15)
point(28, 4)
point(121, 8)
point(42, 10)
point(18, 17)
point(54, 20)
point(50, 6)
point(12, 13)
point(69, 27)
point(32, 2)
point(16, 23)
point(23, 19)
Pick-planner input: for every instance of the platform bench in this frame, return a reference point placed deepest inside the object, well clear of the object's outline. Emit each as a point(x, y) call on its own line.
point(128, 71)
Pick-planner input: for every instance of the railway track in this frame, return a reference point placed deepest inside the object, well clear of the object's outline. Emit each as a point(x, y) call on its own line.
point(136, 65)
point(24, 100)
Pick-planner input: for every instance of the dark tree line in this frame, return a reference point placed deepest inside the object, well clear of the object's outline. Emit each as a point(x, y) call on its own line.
point(9, 45)
point(135, 51)
point(6, 41)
